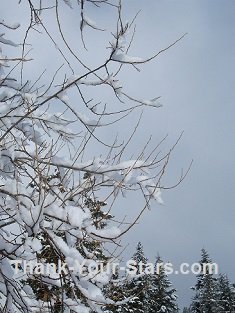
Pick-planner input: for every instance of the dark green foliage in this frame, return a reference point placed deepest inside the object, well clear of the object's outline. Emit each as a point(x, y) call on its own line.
point(140, 284)
point(162, 297)
point(225, 295)
point(146, 293)
point(133, 288)
point(204, 300)
point(117, 290)
point(54, 294)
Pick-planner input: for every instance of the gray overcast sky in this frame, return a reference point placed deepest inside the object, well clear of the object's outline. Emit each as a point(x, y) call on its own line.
point(196, 80)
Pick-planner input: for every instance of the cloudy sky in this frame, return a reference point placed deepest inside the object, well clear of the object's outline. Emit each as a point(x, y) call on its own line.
point(195, 80)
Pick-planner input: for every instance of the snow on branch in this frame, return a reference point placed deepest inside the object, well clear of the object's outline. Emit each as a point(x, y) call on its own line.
point(60, 177)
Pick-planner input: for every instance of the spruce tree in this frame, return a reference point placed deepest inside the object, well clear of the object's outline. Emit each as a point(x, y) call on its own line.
point(162, 297)
point(131, 289)
point(139, 285)
point(118, 291)
point(87, 245)
point(226, 295)
point(205, 299)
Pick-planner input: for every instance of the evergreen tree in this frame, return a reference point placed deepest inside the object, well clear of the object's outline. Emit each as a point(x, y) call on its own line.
point(117, 290)
point(162, 297)
point(226, 295)
point(50, 255)
point(139, 284)
point(132, 287)
point(205, 299)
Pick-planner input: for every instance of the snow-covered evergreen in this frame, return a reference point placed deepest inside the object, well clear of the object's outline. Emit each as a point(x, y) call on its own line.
point(225, 295)
point(205, 298)
point(144, 292)
point(139, 285)
point(162, 296)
